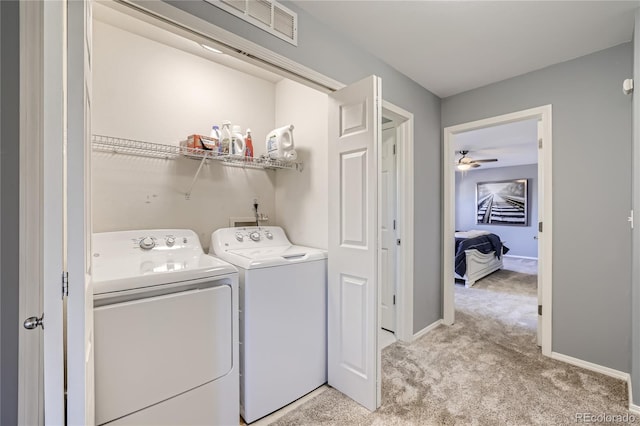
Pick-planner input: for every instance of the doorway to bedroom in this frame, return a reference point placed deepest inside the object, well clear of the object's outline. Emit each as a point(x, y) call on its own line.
point(497, 268)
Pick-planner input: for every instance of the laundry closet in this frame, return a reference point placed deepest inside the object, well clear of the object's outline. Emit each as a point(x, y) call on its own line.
point(152, 91)
point(154, 86)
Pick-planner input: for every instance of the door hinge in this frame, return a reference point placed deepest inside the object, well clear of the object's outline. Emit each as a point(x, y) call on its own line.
point(630, 219)
point(540, 310)
point(398, 242)
point(394, 299)
point(394, 149)
point(65, 284)
point(394, 224)
point(539, 143)
point(539, 226)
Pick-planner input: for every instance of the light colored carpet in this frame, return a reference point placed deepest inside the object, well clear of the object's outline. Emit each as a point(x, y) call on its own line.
point(484, 370)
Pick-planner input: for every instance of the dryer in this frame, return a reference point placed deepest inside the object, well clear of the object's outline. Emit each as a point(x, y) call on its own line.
point(165, 330)
point(283, 316)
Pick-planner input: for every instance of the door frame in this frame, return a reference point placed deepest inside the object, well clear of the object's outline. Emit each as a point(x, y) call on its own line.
point(545, 243)
point(403, 123)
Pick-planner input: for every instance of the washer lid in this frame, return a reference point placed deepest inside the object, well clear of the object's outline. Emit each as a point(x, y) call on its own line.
point(264, 257)
point(119, 263)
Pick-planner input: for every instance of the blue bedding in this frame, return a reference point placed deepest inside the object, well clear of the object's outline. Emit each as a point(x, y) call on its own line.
point(483, 243)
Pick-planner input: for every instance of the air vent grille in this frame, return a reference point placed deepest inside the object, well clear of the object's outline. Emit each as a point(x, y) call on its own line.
point(260, 10)
point(268, 15)
point(283, 22)
point(240, 5)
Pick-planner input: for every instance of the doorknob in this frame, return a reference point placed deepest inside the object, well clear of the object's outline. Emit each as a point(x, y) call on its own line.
point(535, 238)
point(33, 322)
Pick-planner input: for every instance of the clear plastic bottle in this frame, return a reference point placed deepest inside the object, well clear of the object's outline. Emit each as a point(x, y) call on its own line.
point(214, 139)
point(225, 138)
point(249, 144)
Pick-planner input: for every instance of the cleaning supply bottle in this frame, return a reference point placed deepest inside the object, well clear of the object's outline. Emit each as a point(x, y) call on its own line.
point(214, 141)
point(249, 143)
point(238, 145)
point(280, 142)
point(225, 138)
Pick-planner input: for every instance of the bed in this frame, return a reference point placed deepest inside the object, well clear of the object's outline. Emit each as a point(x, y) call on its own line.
point(477, 254)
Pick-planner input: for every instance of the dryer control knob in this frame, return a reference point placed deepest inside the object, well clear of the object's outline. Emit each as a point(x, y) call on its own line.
point(269, 235)
point(255, 236)
point(170, 241)
point(147, 243)
point(239, 237)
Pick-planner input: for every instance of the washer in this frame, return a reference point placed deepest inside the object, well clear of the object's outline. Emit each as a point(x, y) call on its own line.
point(165, 330)
point(283, 316)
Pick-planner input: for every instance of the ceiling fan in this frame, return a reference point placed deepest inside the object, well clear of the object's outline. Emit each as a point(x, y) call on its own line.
point(465, 163)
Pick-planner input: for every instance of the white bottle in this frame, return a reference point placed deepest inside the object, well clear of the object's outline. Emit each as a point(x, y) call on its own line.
point(238, 144)
point(225, 138)
point(280, 143)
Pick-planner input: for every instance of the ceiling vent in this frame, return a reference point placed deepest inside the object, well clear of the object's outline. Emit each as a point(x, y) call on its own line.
point(268, 15)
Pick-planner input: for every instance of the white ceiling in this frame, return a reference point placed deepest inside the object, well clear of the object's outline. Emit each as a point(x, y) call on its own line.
point(450, 47)
point(512, 144)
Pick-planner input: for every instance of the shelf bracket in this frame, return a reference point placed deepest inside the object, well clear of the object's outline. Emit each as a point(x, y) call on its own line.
point(187, 195)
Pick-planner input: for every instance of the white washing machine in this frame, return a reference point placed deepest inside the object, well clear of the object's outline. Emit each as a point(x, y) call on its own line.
point(165, 331)
point(283, 316)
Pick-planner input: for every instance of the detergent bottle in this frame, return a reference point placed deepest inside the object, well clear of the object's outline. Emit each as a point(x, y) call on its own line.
point(249, 143)
point(280, 143)
point(238, 145)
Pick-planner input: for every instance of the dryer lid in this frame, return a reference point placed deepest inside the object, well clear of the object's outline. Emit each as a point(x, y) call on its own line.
point(119, 263)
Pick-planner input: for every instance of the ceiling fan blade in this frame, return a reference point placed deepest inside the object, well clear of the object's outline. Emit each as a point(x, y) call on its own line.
point(486, 160)
point(475, 165)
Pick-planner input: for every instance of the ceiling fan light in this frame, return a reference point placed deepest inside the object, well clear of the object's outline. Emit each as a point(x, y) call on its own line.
point(464, 166)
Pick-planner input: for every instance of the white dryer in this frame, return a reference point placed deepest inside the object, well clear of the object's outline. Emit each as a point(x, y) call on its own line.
point(165, 330)
point(283, 316)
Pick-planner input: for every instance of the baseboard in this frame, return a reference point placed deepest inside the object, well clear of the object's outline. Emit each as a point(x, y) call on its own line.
point(633, 408)
point(427, 329)
point(616, 374)
point(621, 375)
point(520, 257)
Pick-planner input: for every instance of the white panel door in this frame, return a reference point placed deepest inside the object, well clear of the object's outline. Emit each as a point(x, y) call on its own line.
point(540, 217)
point(388, 256)
point(53, 209)
point(353, 266)
point(80, 388)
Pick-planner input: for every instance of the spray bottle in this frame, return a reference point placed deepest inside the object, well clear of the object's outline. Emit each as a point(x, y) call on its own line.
point(249, 144)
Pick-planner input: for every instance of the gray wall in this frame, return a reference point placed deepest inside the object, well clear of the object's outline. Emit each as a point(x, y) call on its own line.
point(519, 239)
point(9, 203)
point(591, 194)
point(635, 300)
point(326, 51)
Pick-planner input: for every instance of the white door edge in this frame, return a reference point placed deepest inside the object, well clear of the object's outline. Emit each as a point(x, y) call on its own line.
point(52, 203)
point(30, 351)
point(544, 114)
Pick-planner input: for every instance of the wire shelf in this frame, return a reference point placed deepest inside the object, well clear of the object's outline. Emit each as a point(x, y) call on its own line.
point(134, 147)
point(156, 150)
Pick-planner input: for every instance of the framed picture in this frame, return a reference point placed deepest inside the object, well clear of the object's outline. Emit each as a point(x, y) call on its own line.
point(502, 202)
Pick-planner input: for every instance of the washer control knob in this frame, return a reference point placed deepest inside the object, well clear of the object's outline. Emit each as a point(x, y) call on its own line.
point(269, 235)
point(255, 236)
point(239, 237)
point(147, 243)
point(170, 241)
